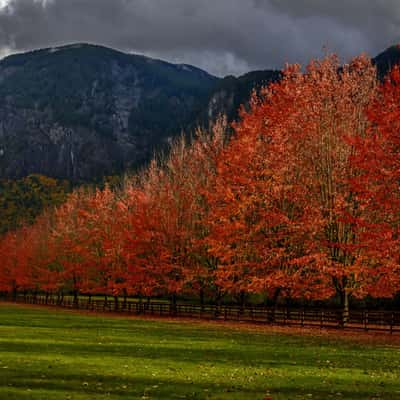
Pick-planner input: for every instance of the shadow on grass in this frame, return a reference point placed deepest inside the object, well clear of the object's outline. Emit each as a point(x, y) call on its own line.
point(98, 385)
point(244, 356)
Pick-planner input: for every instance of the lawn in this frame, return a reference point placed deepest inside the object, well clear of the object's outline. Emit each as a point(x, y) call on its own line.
point(46, 354)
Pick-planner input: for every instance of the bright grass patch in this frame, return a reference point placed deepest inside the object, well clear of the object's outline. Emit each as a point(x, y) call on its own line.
point(46, 354)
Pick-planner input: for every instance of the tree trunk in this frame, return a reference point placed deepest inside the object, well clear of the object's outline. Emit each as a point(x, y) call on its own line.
point(60, 298)
point(202, 299)
point(124, 303)
point(344, 295)
point(14, 294)
point(275, 298)
point(140, 305)
point(76, 303)
point(116, 303)
point(173, 304)
point(218, 298)
point(105, 302)
point(242, 301)
point(289, 304)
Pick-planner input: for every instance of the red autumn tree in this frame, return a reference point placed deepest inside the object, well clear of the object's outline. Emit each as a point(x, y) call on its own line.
point(71, 243)
point(377, 156)
point(285, 210)
point(167, 224)
point(103, 224)
point(18, 271)
point(148, 262)
point(45, 271)
point(199, 169)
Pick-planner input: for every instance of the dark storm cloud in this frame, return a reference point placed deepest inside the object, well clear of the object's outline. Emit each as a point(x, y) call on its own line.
point(223, 36)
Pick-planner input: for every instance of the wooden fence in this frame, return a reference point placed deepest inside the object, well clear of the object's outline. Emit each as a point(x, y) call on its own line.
point(367, 320)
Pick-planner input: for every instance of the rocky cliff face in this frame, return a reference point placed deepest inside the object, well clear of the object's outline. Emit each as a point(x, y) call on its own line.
point(83, 111)
point(230, 93)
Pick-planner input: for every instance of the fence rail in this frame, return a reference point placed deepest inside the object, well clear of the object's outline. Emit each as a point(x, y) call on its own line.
point(367, 320)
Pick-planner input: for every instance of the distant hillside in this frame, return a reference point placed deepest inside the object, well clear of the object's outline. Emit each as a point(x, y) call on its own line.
point(22, 200)
point(83, 111)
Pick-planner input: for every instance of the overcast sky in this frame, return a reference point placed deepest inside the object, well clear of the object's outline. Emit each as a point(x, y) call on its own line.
point(220, 36)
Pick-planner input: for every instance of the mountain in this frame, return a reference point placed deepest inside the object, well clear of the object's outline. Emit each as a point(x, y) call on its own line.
point(80, 112)
point(83, 111)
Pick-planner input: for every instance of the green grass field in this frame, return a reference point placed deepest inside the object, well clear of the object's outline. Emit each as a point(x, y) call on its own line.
point(47, 354)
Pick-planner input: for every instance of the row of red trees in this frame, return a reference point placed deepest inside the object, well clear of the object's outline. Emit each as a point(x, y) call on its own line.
point(303, 201)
